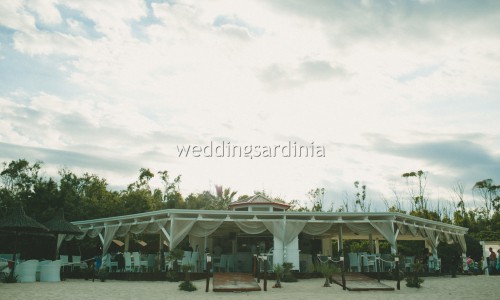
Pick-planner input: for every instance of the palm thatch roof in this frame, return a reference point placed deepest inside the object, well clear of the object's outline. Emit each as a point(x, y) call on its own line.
point(59, 225)
point(17, 221)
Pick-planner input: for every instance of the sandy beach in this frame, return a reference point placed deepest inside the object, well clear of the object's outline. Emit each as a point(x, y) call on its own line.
point(462, 287)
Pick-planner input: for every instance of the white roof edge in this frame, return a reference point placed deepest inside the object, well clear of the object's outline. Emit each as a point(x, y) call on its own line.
point(344, 216)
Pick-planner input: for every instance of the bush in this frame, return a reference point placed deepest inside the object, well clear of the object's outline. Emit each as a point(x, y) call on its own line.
point(287, 273)
point(171, 276)
point(102, 274)
point(10, 279)
point(187, 286)
point(327, 270)
point(414, 281)
point(278, 270)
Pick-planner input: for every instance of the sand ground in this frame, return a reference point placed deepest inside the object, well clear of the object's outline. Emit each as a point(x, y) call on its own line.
point(445, 287)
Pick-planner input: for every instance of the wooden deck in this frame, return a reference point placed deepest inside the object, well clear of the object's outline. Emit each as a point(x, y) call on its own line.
point(360, 282)
point(234, 282)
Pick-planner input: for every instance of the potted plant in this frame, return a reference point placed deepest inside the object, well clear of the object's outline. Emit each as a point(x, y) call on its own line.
point(327, 270)
point(174, 256)
point(287, 272)
point(412, 280)
point(278, 270)
point(102, 274)
point(187, 285)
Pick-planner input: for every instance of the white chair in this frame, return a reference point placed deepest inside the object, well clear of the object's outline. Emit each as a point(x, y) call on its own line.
point(353, 261)
point(437, 267)
point(107, 263)
point(64, 260)
point(368, 262)
point(76, 262)
point(230, 263)
point(465, 266)
point(222, 264)
point(151, 262)
point(128, 261)
point(409, 261)
point(186, 259)
point(38, 268)
point(168, 264)
point(205, 262)
point(431, 264)
point(262, 264)
point(138, 263)
point(26, 271)
point(194, 261)
point(387, 262)
point(51, 271)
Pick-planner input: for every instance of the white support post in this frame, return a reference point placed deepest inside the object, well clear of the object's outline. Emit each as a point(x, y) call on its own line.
point(370, 243)
point(341, 241)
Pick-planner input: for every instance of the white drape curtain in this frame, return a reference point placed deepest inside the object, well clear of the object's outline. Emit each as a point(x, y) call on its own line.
point(276, 228)
point(386, 229)
point(461, 241)
point(292, 230)
point(60, 238)
point(78, 237)
point(155, 226)
point(109, 234)
point(446, 237)
point(360, 228)
point(285, 230)
point(250, 227)
point(405, 229)
point(402, 228)
point(92, 233)
point(205, 228)
point(69, 237)
point(316, 228)
point(432, 237)
point(179, 229)
point(138, 228)
point(123, 230)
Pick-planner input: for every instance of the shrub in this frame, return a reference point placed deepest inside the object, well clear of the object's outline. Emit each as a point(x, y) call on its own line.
point(187, 286)
point(278, 270)
point(171, 276)
point(10, 279)
point(287, 272)
point(413, 280)
point(327, 270)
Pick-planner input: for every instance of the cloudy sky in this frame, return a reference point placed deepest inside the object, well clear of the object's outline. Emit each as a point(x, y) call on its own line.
point(386, 87)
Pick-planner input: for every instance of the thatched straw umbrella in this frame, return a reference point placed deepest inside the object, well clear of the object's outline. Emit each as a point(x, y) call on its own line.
point(18, 222)
point(58, 225)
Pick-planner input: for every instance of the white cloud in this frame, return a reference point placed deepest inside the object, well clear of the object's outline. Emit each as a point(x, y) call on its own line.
point(149, 79)
point(46, 10)
point(14, 15)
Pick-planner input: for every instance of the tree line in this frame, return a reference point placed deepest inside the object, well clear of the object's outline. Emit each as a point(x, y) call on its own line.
point(89, 196)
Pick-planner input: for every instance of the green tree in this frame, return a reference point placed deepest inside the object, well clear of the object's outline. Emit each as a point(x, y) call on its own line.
point(45, 201)
point(419, 201)
point(316, 197)
point(18, 179)
point(198, 201)
point(87, 197)
point(171, 191)
point(490, 194)
point(222, 199)
point(361, 201)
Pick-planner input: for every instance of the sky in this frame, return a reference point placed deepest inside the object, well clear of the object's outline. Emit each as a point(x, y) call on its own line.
point(366, 90)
